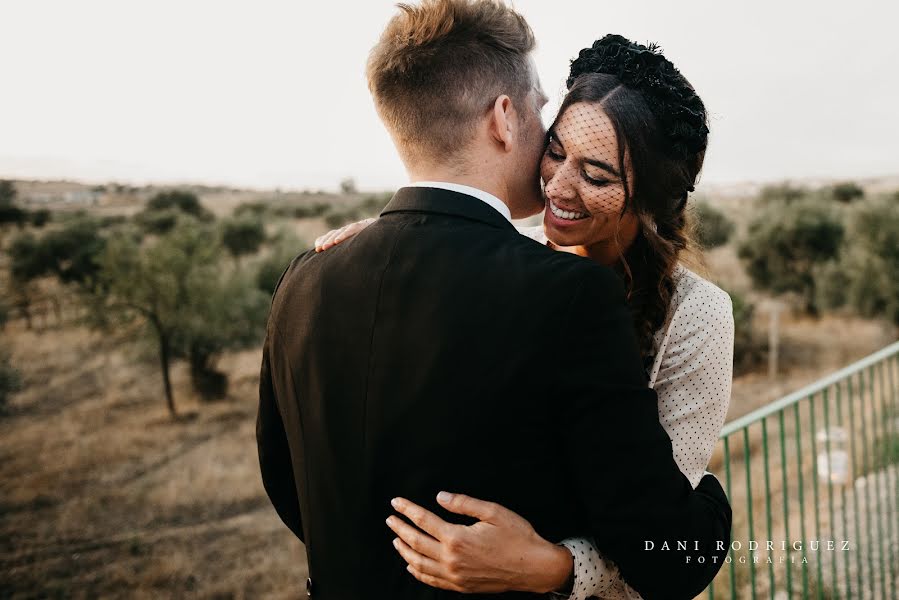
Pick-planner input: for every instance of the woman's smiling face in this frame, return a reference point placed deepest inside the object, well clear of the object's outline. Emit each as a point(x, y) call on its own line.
point(582, 185)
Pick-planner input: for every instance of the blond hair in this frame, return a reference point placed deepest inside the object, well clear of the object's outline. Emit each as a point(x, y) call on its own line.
point(440, 65)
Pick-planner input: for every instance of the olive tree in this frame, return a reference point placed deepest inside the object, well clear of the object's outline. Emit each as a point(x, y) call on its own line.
point(785, 245)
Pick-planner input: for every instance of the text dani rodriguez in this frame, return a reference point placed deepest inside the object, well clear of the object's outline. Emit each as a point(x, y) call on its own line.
point(760, 551)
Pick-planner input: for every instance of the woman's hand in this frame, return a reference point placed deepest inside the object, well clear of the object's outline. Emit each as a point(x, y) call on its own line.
point(335, 236)
point(499, 553)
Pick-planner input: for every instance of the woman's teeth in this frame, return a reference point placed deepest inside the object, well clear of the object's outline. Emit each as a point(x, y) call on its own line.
point(566, 214)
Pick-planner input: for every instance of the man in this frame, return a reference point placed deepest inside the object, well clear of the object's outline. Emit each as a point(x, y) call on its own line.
point(439, 349)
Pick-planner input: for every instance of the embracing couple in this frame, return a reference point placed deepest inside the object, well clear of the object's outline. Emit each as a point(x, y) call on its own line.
point(532, 411)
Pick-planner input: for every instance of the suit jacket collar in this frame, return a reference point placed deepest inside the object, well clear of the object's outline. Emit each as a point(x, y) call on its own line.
point(444, 202)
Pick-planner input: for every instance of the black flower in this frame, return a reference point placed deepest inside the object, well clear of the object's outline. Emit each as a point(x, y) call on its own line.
point(672, 100)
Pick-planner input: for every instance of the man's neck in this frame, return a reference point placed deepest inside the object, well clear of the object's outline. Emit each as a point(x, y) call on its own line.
point(486, 184)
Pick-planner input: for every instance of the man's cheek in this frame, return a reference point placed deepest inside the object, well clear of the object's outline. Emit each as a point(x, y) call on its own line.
point(546, 170)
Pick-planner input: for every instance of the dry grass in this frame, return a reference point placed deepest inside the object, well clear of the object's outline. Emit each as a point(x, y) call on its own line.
point(105, 496)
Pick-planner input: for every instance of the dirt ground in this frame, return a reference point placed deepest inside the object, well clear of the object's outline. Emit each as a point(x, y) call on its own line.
point(103, 495)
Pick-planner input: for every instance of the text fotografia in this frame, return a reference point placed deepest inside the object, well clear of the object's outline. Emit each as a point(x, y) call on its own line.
point(753, 547)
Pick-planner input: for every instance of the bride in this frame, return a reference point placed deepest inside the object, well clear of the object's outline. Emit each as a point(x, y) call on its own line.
point(620, 161)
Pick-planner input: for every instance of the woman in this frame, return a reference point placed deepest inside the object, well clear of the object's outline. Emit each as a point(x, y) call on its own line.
point(621, 159)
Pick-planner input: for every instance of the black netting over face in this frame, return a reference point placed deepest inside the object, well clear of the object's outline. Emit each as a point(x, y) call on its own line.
point(583, 183)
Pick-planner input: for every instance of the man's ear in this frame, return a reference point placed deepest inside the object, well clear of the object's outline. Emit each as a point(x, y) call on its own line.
point(503, 122)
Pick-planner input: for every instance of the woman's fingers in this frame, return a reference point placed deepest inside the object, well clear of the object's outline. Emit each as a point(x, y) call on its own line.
point(418, 541)
point(466, 505)
point(336, 236)
point(329, 241)
point(348, 231)
point(434, 581)
point(423, 518)
point(324, 240)
point(354, 228)
point(422, 563)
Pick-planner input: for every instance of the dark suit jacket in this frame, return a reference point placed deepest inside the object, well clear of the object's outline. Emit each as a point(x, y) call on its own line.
point(441, 350)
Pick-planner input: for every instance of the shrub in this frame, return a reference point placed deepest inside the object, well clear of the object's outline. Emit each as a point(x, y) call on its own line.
point(9, 212)
point(713, 227)
point(847, 191)
point(186, 202)
point(865, 277)
point(163, 210)
point(12, 215)
point(10, 380)
point(243, 235)
point(40, 217)
point(271, 267)
point(787, 243)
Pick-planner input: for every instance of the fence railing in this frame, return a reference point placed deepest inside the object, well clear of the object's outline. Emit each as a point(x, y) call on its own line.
point(813, 479)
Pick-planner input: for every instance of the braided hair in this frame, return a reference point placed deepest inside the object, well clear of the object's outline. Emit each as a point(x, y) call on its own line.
point(661, 125)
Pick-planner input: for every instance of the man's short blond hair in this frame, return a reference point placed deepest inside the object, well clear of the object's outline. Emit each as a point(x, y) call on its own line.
point(438, 68)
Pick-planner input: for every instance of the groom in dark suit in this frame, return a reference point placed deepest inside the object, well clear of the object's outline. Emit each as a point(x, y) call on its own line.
point(439, 349)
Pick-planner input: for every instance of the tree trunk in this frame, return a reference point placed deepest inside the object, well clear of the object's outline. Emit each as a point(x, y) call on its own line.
point(26, 312)
point(774, 339)
point(57, 309)
point(164, 363)
point(209, 383)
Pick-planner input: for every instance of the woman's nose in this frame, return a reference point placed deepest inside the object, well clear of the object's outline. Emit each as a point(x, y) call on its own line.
point(560, 185)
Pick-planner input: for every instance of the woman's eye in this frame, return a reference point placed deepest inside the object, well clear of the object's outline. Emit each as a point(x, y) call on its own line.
point(553, 155)
point(598, 182)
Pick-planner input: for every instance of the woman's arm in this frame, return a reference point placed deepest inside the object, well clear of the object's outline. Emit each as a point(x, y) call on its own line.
point(693, 385)
point(695, 376)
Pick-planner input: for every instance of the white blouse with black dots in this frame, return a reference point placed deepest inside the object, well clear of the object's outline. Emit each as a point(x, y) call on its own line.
point(691, 374)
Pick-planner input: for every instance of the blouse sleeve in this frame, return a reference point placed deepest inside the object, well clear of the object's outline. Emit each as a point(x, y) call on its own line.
point(693, 385)
point(694, 379)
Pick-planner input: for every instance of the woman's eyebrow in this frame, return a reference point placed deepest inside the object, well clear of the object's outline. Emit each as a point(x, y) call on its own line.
point(602, 165)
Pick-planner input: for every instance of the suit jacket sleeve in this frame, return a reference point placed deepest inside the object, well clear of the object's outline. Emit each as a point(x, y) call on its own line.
point(274, 452)
point(271, 439)
point(633, 495)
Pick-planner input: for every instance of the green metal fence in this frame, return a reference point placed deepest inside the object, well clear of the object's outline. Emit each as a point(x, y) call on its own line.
point(813, 480)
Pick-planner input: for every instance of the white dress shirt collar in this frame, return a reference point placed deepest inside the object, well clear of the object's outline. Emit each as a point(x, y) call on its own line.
point(486, 197)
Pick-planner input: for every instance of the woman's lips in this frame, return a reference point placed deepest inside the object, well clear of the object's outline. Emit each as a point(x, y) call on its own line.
point(562, 218)
point(568, 215)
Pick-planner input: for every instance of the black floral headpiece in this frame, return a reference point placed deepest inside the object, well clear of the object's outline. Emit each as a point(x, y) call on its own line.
point(672, 100)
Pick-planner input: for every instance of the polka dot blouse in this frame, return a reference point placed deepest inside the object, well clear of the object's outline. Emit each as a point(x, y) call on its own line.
point(691, 374)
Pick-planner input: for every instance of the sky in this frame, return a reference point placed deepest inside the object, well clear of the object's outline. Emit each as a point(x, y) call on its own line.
point(272, 94)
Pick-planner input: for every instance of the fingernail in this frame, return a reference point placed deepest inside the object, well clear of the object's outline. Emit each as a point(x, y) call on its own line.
point(444, 497)
point(389, 520)
point(396, 542)
point(395, 503)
